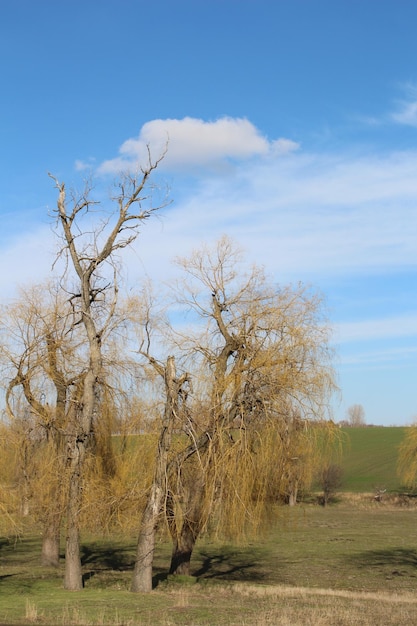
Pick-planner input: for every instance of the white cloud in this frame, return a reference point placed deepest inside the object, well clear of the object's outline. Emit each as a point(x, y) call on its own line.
point(381, 358)
point(304, 216)
point(84, 165)
point(407, 108)
point(26, 260)
point(195, 143)
point(374, 329)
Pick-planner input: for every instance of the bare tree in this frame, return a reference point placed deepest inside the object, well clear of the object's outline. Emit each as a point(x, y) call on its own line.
point(91, 253)
point(356, 415)
point(330, 479)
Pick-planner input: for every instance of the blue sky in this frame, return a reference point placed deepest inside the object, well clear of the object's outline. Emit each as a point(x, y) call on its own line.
point(293, 129)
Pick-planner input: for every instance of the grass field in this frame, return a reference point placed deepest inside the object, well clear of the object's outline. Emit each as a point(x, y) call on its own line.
point(352, 563)
point(370, 458)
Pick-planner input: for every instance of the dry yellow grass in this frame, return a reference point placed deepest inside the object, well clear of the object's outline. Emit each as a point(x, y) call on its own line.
point(240, 605)
point(251, 605)
point(300, 606)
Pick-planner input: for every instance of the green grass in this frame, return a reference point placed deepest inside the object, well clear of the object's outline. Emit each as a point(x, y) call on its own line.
point(353, 551)
point(350, 563)
point(370, 458)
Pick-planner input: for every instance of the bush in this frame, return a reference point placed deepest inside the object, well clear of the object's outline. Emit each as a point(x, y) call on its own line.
point(330, 480)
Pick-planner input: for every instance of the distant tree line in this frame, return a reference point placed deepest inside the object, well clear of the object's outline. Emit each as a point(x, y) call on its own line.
point(355, 416)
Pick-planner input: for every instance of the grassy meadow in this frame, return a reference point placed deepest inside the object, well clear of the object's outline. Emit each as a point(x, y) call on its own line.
point(351, 563)
point(370, 458)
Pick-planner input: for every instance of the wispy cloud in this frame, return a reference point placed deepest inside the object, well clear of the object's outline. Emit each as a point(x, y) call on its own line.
point(375, 329)
point(380, 358)
point(304, 216)
point(26, 260)
point(378, 344)
point(406, 112)
point(195, 143)
point(84, 165)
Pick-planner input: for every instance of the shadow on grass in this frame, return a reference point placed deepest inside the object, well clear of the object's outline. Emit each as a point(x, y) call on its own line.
point(217, 562)
point(220, 564)
point(6, 576)
point(393, 559)
point(239, 565)
point(107, 557)
point(20, 551)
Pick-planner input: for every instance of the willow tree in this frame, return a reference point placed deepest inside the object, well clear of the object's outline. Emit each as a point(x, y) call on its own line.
point(10, 492)
point(42, 365)
point(90, 243)
point(148, 321)
point(263, 355)
point(407, 458)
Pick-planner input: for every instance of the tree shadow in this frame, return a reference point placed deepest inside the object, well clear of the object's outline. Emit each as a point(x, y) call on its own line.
point(6, 576)
point(230, 565)
point(107, 557)
point(87, 575)
point(397, 561)
point(159, 578)
point(21, 551)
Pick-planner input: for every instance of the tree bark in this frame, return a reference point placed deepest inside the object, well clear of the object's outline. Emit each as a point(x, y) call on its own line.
point(292, 497)
point(73, 580)
point(185, 538)
point(51, 542)
point(182, 551)
point(51, 537)
point(142, 577)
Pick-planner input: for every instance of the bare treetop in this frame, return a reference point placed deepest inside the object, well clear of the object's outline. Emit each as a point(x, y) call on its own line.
point(134, 205)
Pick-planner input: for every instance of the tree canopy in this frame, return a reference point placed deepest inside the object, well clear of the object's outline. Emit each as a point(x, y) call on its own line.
point(225, 383)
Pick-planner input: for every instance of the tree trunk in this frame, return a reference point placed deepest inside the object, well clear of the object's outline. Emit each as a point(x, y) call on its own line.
point(142, 576)
point(25, 506)
point(292, 497)
point(185, 538)
point(51, 537)
point(73, 580)
point(183, 549)
point(51, 542)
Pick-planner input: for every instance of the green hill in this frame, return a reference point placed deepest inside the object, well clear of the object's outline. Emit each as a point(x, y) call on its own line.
point(369, 458)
